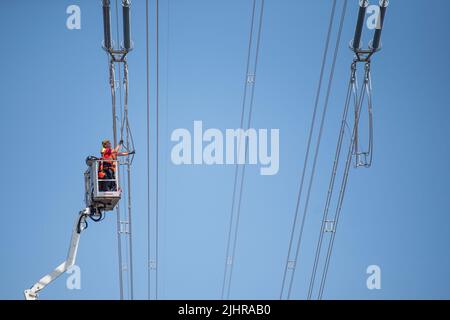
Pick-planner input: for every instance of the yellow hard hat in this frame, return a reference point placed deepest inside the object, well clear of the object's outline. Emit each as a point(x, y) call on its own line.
point(105, 142)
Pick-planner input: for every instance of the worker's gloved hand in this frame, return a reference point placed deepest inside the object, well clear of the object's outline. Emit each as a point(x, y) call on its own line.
point(121, 142)
point(132, 152)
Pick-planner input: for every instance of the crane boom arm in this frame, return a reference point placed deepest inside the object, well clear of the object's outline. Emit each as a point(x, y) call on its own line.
point(32, 293)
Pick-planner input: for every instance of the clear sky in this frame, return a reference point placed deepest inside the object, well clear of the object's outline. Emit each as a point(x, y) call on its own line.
point(55, 110)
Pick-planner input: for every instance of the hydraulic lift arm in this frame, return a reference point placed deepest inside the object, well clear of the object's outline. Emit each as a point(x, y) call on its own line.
point(32, 293)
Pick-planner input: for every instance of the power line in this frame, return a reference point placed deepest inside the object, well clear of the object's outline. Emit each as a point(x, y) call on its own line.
point(319, 139)
point(250, 80)
point(329, 195)
point(358, 100)
point(153, 263)
point(237, 168)
point(123, 235)
point(157, 147)
point(338, 40)
point(148, 145)
point(305, 164)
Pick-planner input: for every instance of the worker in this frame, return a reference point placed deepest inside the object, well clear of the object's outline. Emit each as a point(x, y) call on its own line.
point(107, 167)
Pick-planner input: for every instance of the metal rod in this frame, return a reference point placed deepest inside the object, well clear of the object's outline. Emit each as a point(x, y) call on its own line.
point(126, 4)
point(377, 36)
point(363, 4)
point(107, 25)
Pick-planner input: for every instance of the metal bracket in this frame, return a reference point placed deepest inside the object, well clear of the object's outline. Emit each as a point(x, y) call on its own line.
point(152, 264)
point(291, 264)
point(117, 55)
point(329, 226)
point(362, 160)
point(251, 78)
point(363, 55)
point(124, 227)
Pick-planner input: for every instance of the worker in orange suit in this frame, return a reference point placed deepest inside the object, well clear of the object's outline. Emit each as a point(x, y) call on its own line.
point(107, 167)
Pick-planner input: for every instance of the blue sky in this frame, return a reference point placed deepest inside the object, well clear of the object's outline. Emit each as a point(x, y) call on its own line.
point(55, 110)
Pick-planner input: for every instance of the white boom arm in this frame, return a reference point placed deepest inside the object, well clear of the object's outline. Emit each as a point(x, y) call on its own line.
point(32, 293)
